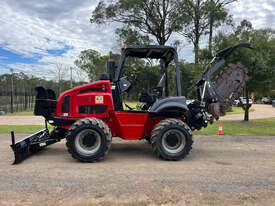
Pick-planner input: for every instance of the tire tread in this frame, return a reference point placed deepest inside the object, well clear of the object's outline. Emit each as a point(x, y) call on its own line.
point(84, 123)
point(157, 131)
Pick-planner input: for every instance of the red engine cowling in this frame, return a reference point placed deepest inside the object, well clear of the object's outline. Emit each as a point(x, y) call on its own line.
point(90, 100)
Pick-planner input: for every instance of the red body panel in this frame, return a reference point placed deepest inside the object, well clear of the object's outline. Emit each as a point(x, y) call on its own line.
point(129, 125)
point(85, 95)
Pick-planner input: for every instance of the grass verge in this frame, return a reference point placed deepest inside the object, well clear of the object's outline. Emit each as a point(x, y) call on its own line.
point(24, 113)
point(21, 129)
point(238, 110)
point(259, 127)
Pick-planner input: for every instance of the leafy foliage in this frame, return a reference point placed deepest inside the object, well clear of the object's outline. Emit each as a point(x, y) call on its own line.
point(130, 36)
point(24, 90)
point(259, 61)
point(148, 72)
point(147, 17)
point(200, 17)
point(143, 19)
point(91, 62)
point(218, 15)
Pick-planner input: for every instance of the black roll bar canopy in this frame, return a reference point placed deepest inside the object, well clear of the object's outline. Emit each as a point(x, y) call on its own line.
point(165, 53)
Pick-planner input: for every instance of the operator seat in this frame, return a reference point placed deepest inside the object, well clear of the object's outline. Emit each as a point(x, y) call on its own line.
point(149, 98)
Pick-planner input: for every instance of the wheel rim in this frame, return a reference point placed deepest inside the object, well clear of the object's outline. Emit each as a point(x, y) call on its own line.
point(87, 142)
point(173, 141)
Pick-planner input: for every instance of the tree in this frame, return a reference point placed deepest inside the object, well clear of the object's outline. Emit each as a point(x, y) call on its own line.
point(93, 63)
point(200, 17)
point(147, 17)
point(60, 72)
point(189, 78)
point(90, 61)
point(218, 15)
point(196, 21)
point(259, 61)
point(129, 36)
point(24, 89)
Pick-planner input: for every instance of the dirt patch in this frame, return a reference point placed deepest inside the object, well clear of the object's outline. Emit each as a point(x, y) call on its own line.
point(22, 120)
point(220, 170)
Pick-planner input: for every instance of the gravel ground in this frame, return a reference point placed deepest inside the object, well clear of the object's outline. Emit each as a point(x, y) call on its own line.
point(261, 111)
point(220, 170)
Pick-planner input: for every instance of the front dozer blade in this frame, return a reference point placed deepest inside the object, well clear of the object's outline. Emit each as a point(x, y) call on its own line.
point(30, 144)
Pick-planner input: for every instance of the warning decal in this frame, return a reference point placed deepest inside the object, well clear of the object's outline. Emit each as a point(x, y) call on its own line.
point(99, 100)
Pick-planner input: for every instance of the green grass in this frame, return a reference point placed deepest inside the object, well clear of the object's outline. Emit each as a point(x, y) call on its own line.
point(244, 197)
point(21, 129)
point(238, 110)
point(265, 127)
point(259, 127)
point(99, 195)
point(24, 113)
point(131, 104)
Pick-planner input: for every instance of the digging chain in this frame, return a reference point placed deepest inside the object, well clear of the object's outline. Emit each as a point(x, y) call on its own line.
point(228, 86)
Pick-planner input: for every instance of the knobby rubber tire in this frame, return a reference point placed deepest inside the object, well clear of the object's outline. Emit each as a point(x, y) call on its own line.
point(157, 135)
point(94, 124)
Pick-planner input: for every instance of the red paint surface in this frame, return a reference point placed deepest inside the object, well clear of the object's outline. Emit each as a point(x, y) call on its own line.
point(129, 125)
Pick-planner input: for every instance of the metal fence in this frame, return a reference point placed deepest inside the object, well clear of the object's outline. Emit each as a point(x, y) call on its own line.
point(16, 108)
point(19, 104)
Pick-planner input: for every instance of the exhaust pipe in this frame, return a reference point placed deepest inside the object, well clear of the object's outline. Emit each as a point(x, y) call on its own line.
point(110, 67)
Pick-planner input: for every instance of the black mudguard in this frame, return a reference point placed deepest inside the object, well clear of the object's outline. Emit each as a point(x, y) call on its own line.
point(170, 106)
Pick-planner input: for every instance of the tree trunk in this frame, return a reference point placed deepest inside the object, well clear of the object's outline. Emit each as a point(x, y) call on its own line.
point(246, 111)
point(161, 40)
point(210, 35)
point(196, 50)
point(16, 103)
point(196, 32)
point(11, 95)
point(25, 100)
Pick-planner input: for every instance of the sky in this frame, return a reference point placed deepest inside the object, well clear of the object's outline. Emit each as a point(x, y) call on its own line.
point(37, 35)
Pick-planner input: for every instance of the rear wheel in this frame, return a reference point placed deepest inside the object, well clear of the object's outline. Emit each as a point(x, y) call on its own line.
point(171, 139)
point(89, 140)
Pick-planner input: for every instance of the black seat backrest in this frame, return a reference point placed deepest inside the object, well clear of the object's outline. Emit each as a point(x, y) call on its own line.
point(45, 102)
point(52, 100)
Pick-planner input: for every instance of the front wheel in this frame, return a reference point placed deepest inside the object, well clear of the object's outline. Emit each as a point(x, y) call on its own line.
point(171, 139)
point(89, 140)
